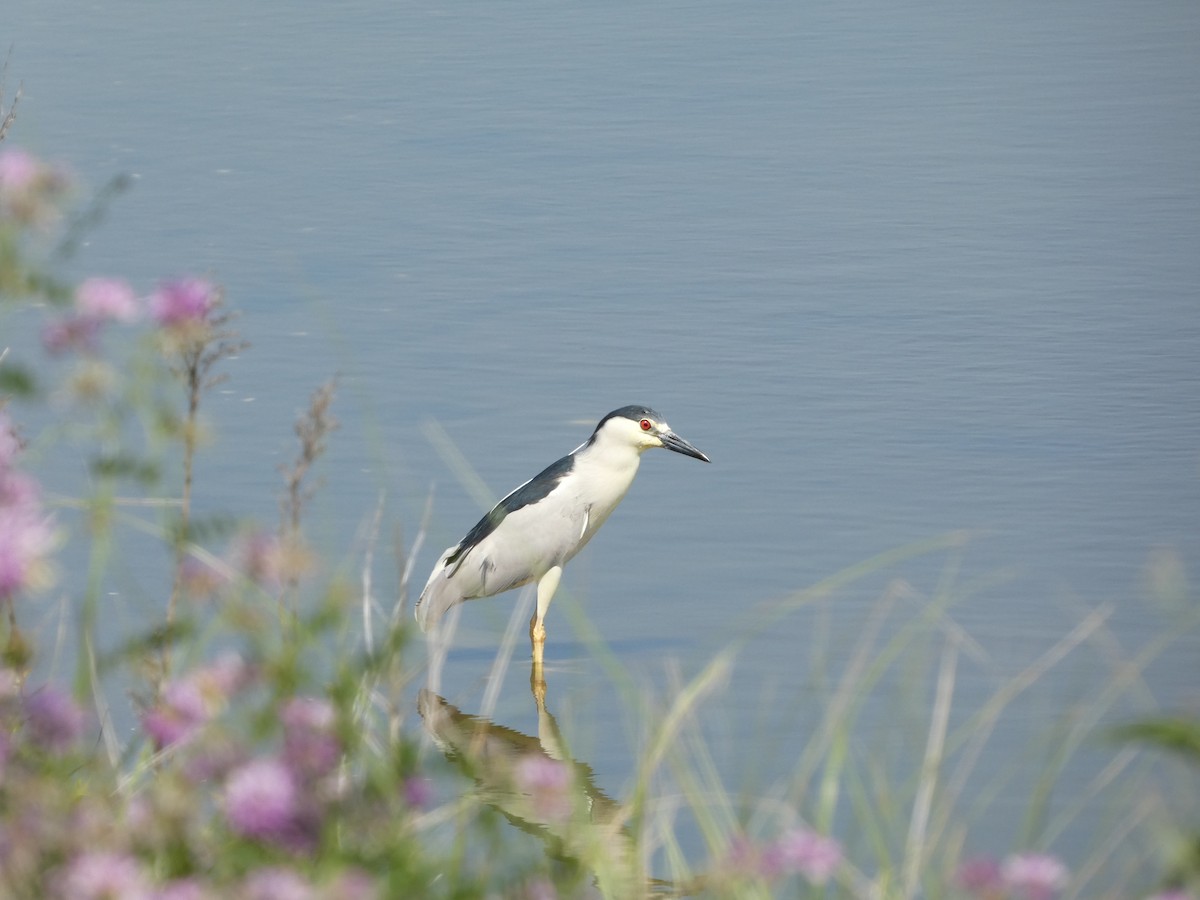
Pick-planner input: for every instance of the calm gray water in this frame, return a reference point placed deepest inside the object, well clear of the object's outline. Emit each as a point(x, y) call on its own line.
point(898, 269)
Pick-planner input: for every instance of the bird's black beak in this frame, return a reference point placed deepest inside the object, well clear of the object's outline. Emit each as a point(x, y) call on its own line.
point(672, 441)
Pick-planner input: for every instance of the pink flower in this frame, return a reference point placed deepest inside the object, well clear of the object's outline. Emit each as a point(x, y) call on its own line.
point(263, 800)
point(26, 533)
point(261, 557)
point(184, 889)
point(418, 792)
point(100, 875)
point(309, 744)
point(105, 300)
point(19, 491)
point(547, 781)
point(220, 757)
point(26, 538)
point(200, 578)
point(743, 856)
point(353, 884)
point(97, 301)
point(55, 720)
point(277, 883)
point(183, 302)
point(223, 677)
point(28, 186)
point(19, 171)
point(190, 702)
point(70, 333)
point(980, 877)
point(1035, 876)
point(803, 851)
point(179, 716)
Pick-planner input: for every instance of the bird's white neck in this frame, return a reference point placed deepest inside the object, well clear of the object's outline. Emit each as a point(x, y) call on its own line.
point(609, 450)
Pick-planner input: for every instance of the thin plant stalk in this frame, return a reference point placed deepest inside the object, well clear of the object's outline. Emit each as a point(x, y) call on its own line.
point(935, 746)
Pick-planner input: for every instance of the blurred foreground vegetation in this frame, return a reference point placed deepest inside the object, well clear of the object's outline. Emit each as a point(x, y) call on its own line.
point(249, 736)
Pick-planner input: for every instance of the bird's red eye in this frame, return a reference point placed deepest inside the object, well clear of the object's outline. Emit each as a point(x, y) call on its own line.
point(645, 423)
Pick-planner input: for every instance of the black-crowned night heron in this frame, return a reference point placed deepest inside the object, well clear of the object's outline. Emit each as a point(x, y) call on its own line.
point(534, 531)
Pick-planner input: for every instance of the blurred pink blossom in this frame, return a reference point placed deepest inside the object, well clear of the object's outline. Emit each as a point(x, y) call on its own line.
point(418, 791)
point(101, 875)
point(178, 717)
point(26, 538)
point(223, 677)
point(97, 302)
point(183, 302)
point(55, 719)
point(220, 756)
point(200, 578)
point(354, 884)
point(547, 781)
point(980, 877)
point(18, 490)
point(19, 170)
point(260, 555)
point(72, 333)
point(263, 800)
point(1034, 876)
point(277, 883)
point(191, 701)
point(27, 534)
point(743, 856)
point(29, 186)
point(805, 852)
point(310, 746)
point(184, 889)
point(106, 299)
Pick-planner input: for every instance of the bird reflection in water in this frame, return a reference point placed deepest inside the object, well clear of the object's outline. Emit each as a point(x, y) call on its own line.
point(539, 788)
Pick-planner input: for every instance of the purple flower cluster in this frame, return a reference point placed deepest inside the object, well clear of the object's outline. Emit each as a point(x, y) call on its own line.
point(104, 875)
point(110, 875)
point(803, 852)
point(263, 799)
point(1021, 876)
point(26, 532)
point(184, 302)
point(310, 745)
point(798, 851)
point(190, 702)
point(30, 188)
point(547, 782)
point(176, 306)
point(55, 721)
point(279, 799)
point(98, 301)
point(262, 557)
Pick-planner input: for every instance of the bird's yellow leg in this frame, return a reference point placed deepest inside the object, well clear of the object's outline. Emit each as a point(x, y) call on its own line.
point(537, 680)
point(545, 593)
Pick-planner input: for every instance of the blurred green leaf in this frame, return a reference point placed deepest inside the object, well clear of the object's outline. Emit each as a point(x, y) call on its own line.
point(1178, 734)
point(123, 465)
point(17, 381)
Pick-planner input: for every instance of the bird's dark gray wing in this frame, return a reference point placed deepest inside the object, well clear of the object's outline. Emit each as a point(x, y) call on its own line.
point(531, 491)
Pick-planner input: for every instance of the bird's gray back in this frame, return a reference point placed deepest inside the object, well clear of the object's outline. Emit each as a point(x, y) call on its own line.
point(532, 491)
